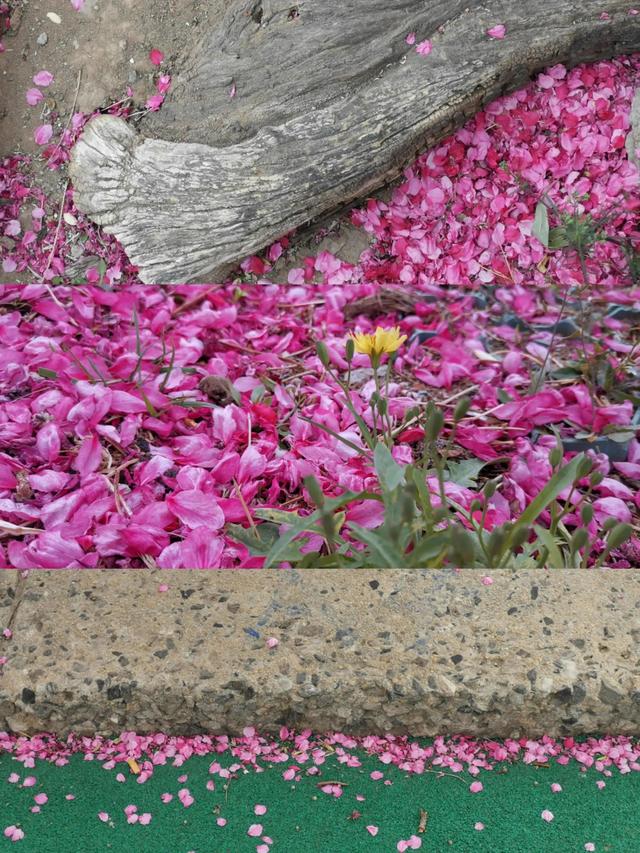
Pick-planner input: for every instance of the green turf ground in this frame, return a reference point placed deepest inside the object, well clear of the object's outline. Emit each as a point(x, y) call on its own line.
point(301, 818)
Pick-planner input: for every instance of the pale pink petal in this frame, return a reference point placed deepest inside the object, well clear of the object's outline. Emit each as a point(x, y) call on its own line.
point(372, 830)
point(154, 102)
point(104, 816)
point(43, 134)
point(255, 830)
point(475, 787)
point(163, 84)
point(497, 32)
point(43, 78)
point(547, 815)
point(260, 810)
point(34, 96)
point(424, 48)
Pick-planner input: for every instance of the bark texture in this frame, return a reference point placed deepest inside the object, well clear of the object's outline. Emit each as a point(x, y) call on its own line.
point(330, 104)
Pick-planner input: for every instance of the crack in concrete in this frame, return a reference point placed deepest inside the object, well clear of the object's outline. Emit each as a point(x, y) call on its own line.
point(21, 585)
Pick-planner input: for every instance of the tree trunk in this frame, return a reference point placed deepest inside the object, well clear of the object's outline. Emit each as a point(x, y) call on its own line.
point(330, 104)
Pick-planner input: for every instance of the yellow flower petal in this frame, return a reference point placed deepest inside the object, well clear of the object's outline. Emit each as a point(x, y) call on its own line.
point(383, 340)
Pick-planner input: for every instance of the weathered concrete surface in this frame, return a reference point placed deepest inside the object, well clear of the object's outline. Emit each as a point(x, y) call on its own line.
point(423, 652)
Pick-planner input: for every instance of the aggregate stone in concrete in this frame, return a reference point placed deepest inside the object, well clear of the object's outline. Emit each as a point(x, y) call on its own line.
point(418, 652)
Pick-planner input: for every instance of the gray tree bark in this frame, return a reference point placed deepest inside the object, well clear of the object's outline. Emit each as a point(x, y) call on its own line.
point(330, 105)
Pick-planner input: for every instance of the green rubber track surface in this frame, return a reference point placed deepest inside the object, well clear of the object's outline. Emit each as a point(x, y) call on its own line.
point(302, 819)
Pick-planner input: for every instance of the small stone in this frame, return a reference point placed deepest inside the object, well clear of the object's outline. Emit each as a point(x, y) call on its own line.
point(609, 694)
point(42, 39)
point(218, 389)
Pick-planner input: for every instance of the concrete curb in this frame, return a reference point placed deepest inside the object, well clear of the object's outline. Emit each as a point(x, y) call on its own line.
point(419, 652)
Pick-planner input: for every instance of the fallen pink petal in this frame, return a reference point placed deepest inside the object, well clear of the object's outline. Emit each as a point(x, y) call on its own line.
point(156, 56)
point(34, 96)
point(43, 78)
point(497, 32)
point(43, 134)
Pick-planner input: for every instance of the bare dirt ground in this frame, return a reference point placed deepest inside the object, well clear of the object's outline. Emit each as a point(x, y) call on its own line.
point(107, 42)
point(94, 54)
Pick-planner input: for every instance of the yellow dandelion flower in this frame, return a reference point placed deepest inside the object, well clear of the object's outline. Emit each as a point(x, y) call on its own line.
point(384, 340)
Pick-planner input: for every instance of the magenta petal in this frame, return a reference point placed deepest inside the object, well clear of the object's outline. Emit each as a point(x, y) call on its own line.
point(196, 509)
point(89, 456)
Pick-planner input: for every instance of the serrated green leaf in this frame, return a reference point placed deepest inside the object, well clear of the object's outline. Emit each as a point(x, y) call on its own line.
point(429, 552)
point(386, 555)
point(540, 228)
point(465, 473)
point(278, 516)
point(558, 483)
point(558, 238)
point(549, 542)
point(390, 473)
point(258, 393)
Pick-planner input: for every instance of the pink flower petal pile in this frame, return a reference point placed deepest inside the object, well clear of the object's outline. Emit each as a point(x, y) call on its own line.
point(454, 755)
point(112, 455)
point(251, 752)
